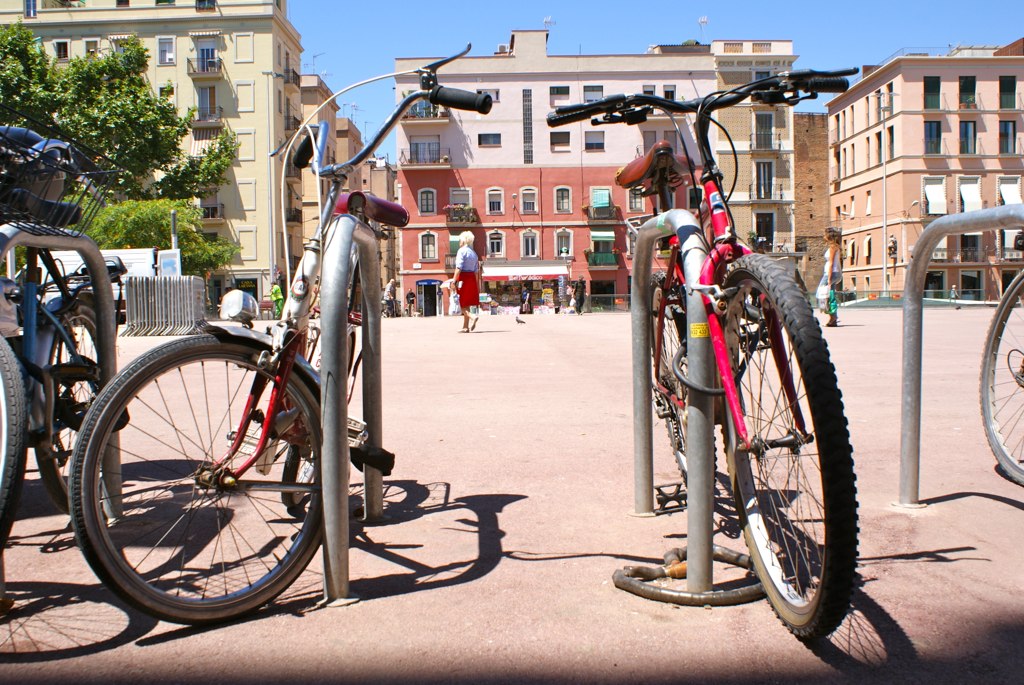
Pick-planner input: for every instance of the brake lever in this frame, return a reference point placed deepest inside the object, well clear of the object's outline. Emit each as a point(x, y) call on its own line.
point(428, 74)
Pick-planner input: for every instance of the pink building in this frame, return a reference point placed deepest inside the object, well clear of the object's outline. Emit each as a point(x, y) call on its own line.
point(925, 134)
point(540, 202)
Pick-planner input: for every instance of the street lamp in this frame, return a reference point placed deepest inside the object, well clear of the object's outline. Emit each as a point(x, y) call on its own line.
point(271, 75)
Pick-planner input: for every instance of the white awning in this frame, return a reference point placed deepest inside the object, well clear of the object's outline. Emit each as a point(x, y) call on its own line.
point(120, 36)
point(935, 197)
point(970, 193)
point(602, 235)
point(204, 34)
point(202, 138)
point(541, 272)
point(1009, 190)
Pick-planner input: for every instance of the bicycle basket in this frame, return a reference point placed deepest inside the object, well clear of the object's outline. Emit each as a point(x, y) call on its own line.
point(49, 184)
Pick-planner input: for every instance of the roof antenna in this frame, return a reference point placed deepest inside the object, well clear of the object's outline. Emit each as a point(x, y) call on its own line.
point(548, 22)
point(702, 21)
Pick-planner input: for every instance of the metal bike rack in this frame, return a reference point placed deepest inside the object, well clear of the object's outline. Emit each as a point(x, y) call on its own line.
point(1007, 216)
point(334, 455)
point(700, 552)
point(12, 236)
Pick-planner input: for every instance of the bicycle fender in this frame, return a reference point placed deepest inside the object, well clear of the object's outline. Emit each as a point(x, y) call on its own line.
point(255, 338)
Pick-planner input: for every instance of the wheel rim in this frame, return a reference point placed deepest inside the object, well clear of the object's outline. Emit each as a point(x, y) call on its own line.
point(1003, 386)
point(666, 404)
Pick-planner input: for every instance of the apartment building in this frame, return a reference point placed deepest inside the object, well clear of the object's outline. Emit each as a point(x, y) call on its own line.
point(541, 203)
point(236, 62)
point(924, 134)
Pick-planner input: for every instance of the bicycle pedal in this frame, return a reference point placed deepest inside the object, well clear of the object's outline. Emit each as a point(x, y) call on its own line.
point(357, 433)
point(670, 497)
point(70, 373)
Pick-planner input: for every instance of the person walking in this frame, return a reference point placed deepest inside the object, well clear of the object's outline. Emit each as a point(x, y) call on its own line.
point(467, 281)
point(410, 302)
point(832, 276)
point(581, 294)
point(389, 298)
point(277, 296)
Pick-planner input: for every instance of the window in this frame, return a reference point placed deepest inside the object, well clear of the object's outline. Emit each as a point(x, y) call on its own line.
point(670, 92)
point(559, 139)
point(123, 3)
point(1009, 190)
point(765, 173)
point(892, 142)
point(529, 244)
point(428, 246)
point(1007, 92)
point(934, 194)
point(528, 201)
point(1007, 137)
point(206, 103)
point(92, 47)
point(761, 47)
point(650, 90)
point(932, 85)
point(970, 193)
point(933, 137)
point(592, 93)
point(968, 99)
point(62, 50)
point(968, 137)
point(527, 126)
point(165, 2)
point(459, 196)
point(764, 225)
point(563, 244)
point(493, 92)
point(593, 140)
point(495, 201)
point(30, 9)
point(167, 92)
point(489, 140)
point(636, 199)
point(559, 91)
point(495, 244)
point(764, 126)
point(428, 202)
point(165, 50)
point(867, 250)
point(563, 200)
point(694, 197)
point(879, 151)
point(424, 149)
point(760, 74)
point(867, 204)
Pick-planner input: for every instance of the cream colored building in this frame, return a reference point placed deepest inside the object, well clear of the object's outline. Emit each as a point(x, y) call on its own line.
point(236, 62)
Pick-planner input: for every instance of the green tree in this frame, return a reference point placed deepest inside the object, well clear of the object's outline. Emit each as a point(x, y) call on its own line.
point(106, 103)
point(147, 223)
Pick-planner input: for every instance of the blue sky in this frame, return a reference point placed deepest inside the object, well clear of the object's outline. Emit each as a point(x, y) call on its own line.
point(347, 49)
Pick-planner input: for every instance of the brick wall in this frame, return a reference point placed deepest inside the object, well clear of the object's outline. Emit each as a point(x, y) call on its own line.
point(811, 212)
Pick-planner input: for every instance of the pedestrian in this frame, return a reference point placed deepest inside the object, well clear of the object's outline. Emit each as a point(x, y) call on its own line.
point(389, 298)
point(526, 303)
point(581, 294)
point(466, 282)
point(410, 301)
point(277, 296)
point(953, 294)
point(832, 276)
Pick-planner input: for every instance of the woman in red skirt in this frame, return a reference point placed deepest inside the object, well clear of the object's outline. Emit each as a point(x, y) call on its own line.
point(467, 281)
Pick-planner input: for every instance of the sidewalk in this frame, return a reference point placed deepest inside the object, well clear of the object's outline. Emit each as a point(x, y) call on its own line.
point(510, 510)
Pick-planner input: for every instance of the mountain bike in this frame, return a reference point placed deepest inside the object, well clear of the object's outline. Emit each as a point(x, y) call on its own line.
point(196, 481)
point(1002, 382)
point(774, 388)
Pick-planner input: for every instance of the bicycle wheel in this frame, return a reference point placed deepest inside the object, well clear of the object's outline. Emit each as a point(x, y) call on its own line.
point(12, 437)
point(73, 396)
point(157, 526)
point(668, 335)
point(794, 487)
point(1002, 382)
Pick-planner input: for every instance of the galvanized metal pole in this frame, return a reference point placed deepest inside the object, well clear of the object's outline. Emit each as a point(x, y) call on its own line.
point(953, 224)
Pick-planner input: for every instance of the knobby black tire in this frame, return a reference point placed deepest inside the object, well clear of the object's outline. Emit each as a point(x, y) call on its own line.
point(53, 467)
point(217, 552)
point(13, 418)
point(668, 333)
point(1002, 382)
point(801, 530)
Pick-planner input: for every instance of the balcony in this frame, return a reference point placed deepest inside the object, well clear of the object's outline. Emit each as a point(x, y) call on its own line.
point(206, 5)
point(603, 260)
point(205, 67)
point(602, 213)
point(765, 142)
point(62, 4)
point(292, 172)
point(293, 215)
point(449, 261)
point(969, 101)
point(966, 255)
point(291, 77)
point(291, 123)
point(426, 112)
point(766, 192)
point(213, 211)
point(462, 214)
point(427, 155)
point(208, 117)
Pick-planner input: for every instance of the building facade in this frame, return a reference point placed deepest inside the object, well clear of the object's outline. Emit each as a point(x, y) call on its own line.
point(541, 203)
point(928, 133)
point(236, 63)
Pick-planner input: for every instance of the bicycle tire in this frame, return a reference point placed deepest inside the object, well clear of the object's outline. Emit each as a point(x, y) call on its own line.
point(795, 490)
point(172, 546)
point(1002, 386)
point(13, 422)
point(668, 334)
point(70, 404)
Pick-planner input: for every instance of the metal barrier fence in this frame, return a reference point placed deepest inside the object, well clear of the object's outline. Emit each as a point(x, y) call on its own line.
point(164, 305)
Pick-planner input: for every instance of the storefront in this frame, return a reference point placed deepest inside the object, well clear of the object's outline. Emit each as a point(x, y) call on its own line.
point(428, 297)
point(508, 286)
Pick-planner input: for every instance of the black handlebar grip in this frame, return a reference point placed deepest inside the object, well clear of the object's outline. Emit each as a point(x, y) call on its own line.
point(461, 99)
point(303, 153)
point(556, 118)
point(826, 84)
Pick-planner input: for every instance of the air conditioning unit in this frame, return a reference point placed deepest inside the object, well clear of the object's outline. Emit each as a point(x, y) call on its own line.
point(502, 49)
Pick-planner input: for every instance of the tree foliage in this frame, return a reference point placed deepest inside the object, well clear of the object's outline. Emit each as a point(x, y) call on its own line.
point(106, 103)
point(147, 223)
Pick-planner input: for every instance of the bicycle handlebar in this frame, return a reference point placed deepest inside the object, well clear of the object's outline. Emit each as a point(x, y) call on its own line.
point(460, 99)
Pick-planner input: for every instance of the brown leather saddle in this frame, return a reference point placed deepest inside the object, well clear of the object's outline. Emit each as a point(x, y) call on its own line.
point(660, 162)
point(373, 208)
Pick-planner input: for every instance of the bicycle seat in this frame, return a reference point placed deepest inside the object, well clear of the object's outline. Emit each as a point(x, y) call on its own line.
point(373, 208)
point(642, 170)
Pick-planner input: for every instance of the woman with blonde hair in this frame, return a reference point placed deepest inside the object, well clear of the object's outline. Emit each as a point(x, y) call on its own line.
point(467, 281)
point(832, 275)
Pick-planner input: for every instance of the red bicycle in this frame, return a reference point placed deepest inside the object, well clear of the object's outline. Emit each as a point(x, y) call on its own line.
point(773, 389)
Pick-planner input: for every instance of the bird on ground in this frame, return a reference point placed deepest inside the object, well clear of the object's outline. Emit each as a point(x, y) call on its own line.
point(518, 320)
